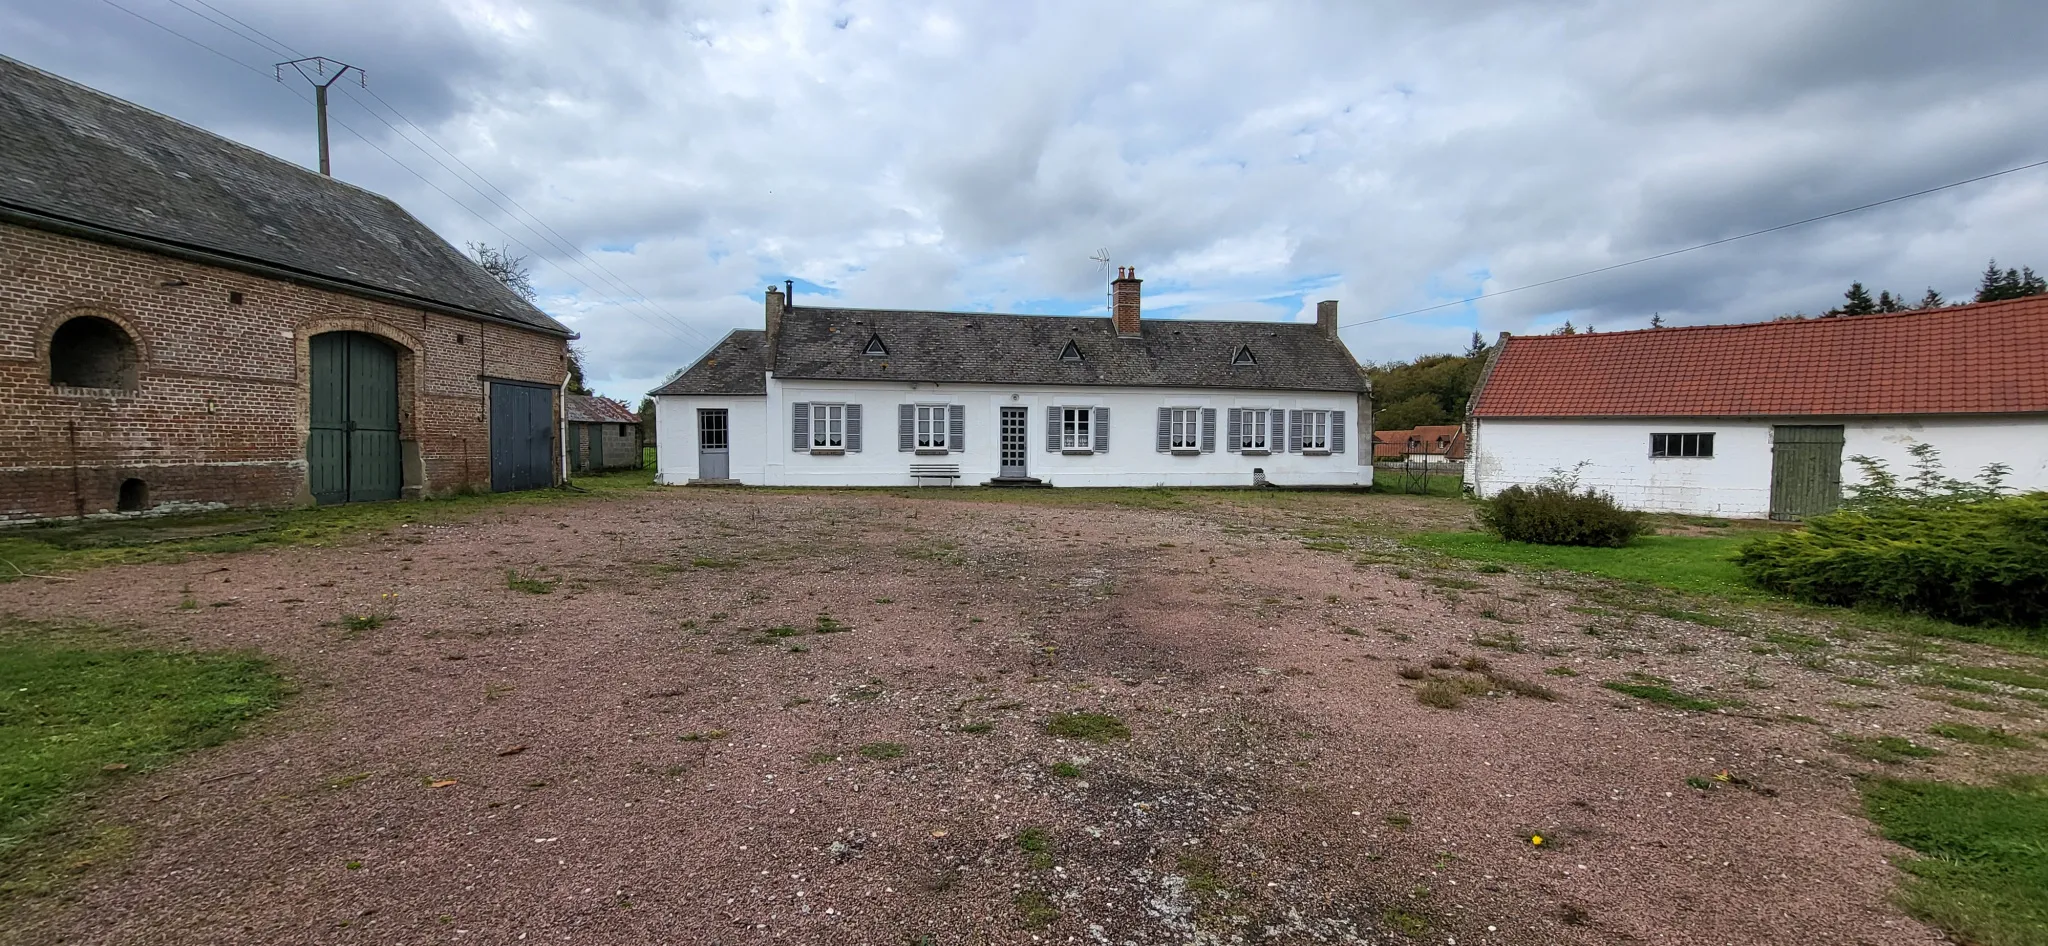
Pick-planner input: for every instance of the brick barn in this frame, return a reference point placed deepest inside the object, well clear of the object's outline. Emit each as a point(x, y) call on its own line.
point(187, 323)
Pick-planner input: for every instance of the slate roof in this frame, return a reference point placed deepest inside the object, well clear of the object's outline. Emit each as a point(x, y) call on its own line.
point(737, 365)
point(1987, 358)
point(88, 159)
point(820, 343)
point(585, 409)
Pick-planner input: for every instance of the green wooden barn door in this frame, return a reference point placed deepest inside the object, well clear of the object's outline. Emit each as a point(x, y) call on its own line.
point(352, 444)
point(1806, 470)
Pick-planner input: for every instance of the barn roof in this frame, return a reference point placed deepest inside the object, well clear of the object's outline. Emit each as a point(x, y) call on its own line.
point(585, 409)
point(738, 364)
point(981, 347)
point(76, 160)
point(1986, 358)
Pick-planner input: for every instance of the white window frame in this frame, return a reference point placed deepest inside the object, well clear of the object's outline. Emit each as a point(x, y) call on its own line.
point(935, 437)
point(1184, 429)
point(1315, 431)
point(1255, 436)
point(1077, 429)
point(828, 428)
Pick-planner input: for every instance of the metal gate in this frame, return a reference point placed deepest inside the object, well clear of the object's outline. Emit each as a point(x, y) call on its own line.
point(714, 444)
point(522, 436)
point(352, 435)
point(1012, 444)
point(1806, 470)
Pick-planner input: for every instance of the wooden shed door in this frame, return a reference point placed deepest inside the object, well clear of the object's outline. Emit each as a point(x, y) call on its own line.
point(1806, 470)
point(522, 436)
point(352, 441)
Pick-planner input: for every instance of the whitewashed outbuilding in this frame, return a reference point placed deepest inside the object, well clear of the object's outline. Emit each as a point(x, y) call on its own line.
point(868, 397)
point(1761, 420)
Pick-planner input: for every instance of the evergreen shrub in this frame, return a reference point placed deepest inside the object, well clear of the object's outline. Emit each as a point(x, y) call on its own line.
point(1557, 512)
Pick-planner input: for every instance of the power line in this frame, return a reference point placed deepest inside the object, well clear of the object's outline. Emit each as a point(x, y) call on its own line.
point(408, 168)
point(1701, 246)
point(553, 238)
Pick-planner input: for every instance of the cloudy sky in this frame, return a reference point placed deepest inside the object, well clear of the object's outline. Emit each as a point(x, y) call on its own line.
point(661, 162)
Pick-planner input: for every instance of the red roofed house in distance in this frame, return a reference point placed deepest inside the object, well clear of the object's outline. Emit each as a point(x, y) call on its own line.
point(1760, 419)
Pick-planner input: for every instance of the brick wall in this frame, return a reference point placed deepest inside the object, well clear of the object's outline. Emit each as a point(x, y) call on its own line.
point(218, 411)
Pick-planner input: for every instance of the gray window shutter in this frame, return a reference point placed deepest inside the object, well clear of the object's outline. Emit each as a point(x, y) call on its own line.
point(1165, 429)
point(1336, 431)
point(1233, 431)
point(906, 428)
point(1293, 431)
point(1101, 430)
point(1208, 430)
point(800, 426)
point(852, 428)
point(956, 428)
point(1052, 428)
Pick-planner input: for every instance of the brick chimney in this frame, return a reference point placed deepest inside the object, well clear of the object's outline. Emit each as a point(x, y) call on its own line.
point(1326, 317)
point(1124, 302)
point(778, 303)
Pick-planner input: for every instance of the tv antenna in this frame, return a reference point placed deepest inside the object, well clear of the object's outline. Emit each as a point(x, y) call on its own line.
point(1108, 289)
point(321, 80)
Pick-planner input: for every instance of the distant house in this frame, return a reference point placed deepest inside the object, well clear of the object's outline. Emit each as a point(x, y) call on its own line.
point(186, 322)
point(869, 397)
point(1760, 419)
point(603, 434)
point(1433, 444)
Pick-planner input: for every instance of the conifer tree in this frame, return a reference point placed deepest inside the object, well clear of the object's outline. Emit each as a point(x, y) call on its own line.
point(1886, 302)
point(1932, 300)
point(1858, 301)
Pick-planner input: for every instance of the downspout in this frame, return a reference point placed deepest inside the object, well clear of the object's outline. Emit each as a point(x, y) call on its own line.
point(562, 426)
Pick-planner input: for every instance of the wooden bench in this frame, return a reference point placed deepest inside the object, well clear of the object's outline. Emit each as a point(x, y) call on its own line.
point(919, 472)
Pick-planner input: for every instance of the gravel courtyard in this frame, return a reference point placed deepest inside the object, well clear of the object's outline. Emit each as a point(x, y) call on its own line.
point(701, 716)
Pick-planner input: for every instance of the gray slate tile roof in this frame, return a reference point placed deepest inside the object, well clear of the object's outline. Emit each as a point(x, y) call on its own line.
point(586, 409)
point(738, 364)
point(959, 347)
point(70, 152)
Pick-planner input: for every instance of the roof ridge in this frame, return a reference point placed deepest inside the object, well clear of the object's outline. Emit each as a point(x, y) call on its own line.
point(1042, 315)
point(1959, 308)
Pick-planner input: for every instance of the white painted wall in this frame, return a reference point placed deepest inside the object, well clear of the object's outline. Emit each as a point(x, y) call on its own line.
point(1736, 481)
point(762, 454)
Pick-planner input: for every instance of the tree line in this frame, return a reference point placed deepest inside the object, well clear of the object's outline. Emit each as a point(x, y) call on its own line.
point(1993, 286)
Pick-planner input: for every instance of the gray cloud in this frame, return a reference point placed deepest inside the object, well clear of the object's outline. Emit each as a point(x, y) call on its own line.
point(1248, 158)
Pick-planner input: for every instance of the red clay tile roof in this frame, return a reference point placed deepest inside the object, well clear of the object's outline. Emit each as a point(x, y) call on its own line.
point(580, 409)
point(1987, 358)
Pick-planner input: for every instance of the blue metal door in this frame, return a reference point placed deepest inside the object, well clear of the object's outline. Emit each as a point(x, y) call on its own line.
point(522, 436)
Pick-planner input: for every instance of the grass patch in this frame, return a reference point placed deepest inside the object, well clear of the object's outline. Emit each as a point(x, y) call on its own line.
point(532, 586)
point(1088, 727)
point(1980, 736)
point(1442, 694)
point(77, 714)
point(1066, 770)
point(1695, 564)
point(1660, 691)
point(881, 751)
point(1036, 842)
point(977, 729)
point(2011, 677)
point(62, 545)
point(1034, 909)
point(1983, 871)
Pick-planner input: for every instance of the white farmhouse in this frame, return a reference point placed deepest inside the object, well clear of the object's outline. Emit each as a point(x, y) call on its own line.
point(1756, 420)
point(869, 397)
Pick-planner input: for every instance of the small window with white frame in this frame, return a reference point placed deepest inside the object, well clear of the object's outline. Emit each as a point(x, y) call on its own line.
point(1184, 429)
point(1257, 427)
point(1077, 428)
point(931, 426)
point(828, 426)
point(1315, 431)
point(1699, 446)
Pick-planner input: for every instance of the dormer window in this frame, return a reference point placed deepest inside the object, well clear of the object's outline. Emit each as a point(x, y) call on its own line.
point(875, 347)
point(1243, 357)
point(1070, 353)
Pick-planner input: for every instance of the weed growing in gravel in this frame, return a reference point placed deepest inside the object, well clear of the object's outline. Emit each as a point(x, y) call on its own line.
point(1412, 673)
point(1889, 750)
point(713, 563)
point(1089, 727)
point(1561, 671)
point(1442, 694)
point(1702, 784)
point(532, 586)
point(1509, 641)
point(1037, 842)
point(881, 751)
point(1066, 770)
point(187, 602)
point(977, 728)
point(820, 757)
point(357, 623)
point(1036, 910)
point(1399, 820)
point(1657, 690)
point(827, 625)
point(1979, 736)
point(1408, 924)
point(707, 735)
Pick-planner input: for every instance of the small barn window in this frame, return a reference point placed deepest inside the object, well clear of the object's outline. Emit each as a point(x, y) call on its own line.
point(91, 352)
point(875, 347)
point(134, 496)
point(1243, 357)
point(1682, 445)
point(1070, 353)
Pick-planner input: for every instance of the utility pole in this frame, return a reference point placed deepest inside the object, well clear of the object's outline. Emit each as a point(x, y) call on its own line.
point(321, 80)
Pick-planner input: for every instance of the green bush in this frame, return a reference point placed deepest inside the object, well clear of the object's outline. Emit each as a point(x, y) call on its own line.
point(1971, 562)
point(1556, 512)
